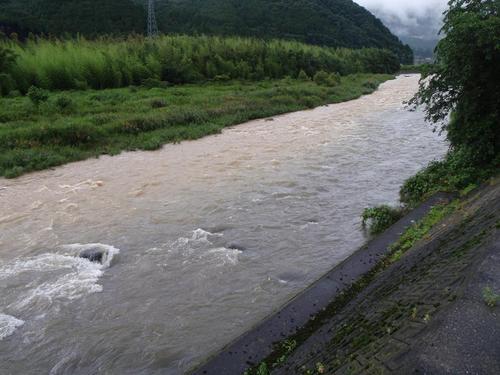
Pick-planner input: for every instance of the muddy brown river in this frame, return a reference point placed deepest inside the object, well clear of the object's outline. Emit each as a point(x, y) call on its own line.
point(201, 239)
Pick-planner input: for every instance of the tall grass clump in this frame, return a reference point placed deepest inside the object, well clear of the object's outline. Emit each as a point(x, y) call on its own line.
point(112, 63)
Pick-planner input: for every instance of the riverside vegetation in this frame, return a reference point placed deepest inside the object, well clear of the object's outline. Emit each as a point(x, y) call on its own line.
point(67, 100)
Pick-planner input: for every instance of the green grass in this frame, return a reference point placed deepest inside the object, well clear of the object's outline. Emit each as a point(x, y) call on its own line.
point(380, 218)
point(419, 230)
point(490, 298)
point(453, 174)
point(67, 126)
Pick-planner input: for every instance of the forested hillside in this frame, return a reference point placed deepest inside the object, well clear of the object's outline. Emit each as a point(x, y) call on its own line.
point(88, 17)
point(337, 23)
point(325, 22)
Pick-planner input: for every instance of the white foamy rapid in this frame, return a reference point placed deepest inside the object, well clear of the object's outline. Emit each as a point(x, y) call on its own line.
point(204, 245)
point(55, 277)
point(8, 324)
point(108, 251)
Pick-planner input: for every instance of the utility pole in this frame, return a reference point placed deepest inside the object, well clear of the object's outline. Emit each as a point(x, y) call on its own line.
point(152, 26)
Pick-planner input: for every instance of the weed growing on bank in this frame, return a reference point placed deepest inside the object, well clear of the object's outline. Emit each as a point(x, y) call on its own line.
point(453, 174)
point(419, 230)
point(490, 298)
point(379, 218)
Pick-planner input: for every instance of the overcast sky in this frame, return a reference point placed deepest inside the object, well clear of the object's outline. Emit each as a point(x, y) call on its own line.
point(406, 17)
point(405, 7)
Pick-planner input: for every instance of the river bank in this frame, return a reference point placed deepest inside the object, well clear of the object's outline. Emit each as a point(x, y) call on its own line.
point(434, 309)
point(51, 129)
point(305, 313)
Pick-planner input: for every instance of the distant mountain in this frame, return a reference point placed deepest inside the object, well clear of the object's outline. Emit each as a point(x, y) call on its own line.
point(337, 23)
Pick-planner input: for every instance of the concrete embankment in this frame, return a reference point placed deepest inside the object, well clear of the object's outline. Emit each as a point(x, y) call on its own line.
point(423, 314)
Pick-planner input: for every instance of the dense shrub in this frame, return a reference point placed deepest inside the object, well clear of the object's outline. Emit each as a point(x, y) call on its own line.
point(324, 79)
point(321, 78)
point(110, 63)
point(37, 95)
point(303, 76)
point(456, 172)
point(381, 217)
point(158, 103)
point(63, 103)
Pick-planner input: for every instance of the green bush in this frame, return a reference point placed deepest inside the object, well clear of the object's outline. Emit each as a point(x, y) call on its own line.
point(37, 95)
point(303, 76)
point(64, 103)
point(456, 172)
point(334, 79)
point(381, 217)
point(158, 103)
point(490, 297)
point(14, 94)
point(321, 78)
point(370, 85)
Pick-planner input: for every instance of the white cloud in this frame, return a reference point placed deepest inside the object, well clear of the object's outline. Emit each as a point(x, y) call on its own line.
point(416, 18)
point(404, 8)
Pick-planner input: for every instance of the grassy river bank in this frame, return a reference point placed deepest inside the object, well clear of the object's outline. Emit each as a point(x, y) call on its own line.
point(45, 129)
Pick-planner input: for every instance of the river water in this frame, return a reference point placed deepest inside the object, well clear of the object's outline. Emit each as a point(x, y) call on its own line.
point(202, 239)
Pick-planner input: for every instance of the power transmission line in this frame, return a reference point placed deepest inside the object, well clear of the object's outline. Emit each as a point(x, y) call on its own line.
point(152, 26)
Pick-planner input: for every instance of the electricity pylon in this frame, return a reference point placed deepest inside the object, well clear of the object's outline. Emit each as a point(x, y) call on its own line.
point(152, 26)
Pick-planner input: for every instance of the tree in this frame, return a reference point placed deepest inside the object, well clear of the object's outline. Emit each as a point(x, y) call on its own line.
point(7, 58)
point(465, 81)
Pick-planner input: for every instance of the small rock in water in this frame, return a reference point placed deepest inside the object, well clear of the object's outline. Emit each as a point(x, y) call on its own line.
point(269, 119)
point(94, 255)
point(236, 246)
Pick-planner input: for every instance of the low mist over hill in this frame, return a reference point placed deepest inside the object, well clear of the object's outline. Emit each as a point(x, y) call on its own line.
point(337, 23)
point(415, 23)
